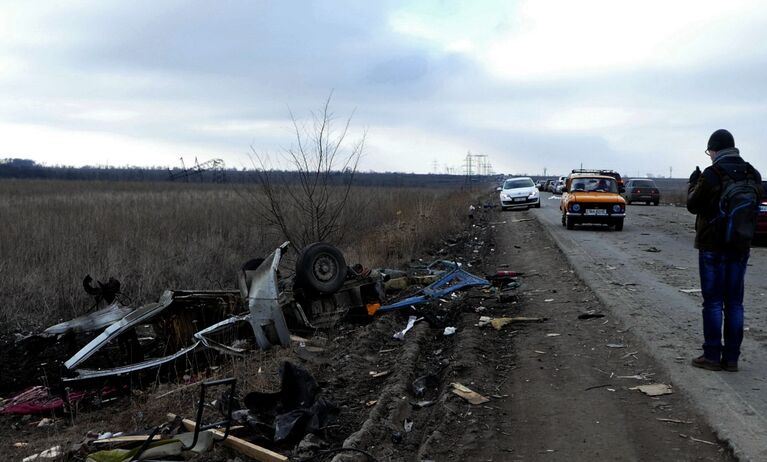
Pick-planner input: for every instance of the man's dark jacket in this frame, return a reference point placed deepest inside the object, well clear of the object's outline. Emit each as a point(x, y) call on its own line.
point(703, 198)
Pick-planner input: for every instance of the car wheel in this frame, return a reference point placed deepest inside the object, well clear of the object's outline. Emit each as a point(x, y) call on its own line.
point(619, 225)
point(320, 267)
point(569, 223)
point(564, 220)
point(538, 205)
point(656, 202)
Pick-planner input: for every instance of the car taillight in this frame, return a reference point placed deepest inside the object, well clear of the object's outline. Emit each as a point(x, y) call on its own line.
point(636, 190)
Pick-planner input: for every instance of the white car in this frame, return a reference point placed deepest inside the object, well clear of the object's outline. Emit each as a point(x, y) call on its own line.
point(519, 192)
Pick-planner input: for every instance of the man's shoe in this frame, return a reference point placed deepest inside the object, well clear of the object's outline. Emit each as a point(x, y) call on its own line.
point(729, 366)
point(707, 364)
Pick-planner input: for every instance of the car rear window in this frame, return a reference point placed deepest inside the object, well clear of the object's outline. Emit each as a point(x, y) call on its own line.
point(593, 184)
point(518, 183)
point(643, 184)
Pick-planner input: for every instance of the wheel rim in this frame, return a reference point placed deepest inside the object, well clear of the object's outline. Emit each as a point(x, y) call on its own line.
point(324, 268)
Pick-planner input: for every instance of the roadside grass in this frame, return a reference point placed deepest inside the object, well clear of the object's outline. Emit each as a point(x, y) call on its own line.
point(157, 236)
point(676, 197)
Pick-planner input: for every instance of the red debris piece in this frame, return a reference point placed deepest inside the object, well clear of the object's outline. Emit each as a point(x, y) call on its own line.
point(38, 400)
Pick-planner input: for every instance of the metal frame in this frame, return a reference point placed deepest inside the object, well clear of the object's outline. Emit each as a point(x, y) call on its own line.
point(454, 280)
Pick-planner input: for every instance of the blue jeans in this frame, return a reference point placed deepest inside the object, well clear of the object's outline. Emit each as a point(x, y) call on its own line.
point(722, 277)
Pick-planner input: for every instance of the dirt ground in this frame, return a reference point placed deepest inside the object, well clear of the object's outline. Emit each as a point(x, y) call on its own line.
point(558, 389)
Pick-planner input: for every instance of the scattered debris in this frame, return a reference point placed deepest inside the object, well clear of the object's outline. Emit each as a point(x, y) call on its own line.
point(654, 389)
point(642, 376)
point(690, 291)
point(54, 452)
point(422, 404)
point(702, 441)
point(615, 345)
point(677, 421)
point(40, 400)
point(408, 425)
point(449, 331)
point(469, 395)
point(376, 375)
point(46, 422)
point(498, 323)
point(652, 249)
point(410, 323)
point(423, 383)
point(553, 335)
point(590, 315)
point(598, 386)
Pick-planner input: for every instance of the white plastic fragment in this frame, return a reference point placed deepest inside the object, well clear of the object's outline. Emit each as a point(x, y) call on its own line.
point(401, 334)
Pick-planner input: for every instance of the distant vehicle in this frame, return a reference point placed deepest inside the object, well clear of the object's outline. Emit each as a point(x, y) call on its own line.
point(761, 219)
point(540, 184)
point(610, 173)
point(519, 192)
point(559, 185)
point(592, 198)
point(549, 186)
point(641, 190)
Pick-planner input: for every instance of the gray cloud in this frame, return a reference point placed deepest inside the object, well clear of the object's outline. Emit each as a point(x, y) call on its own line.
point(222, 76)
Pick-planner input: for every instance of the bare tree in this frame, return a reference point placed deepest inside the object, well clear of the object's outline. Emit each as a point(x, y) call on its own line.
point(306, 199)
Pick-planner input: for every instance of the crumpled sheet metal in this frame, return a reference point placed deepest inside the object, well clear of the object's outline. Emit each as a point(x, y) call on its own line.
point(450, 282)
point(210, 343)
point(83, 374)
point(91, 321)
point(263, 301)
point(133, 318)
point(264, 309)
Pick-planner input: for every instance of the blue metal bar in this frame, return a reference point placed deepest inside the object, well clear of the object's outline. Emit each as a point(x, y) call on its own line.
point(456, 279)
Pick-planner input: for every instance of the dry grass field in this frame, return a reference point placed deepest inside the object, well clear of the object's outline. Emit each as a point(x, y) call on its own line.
point(153, 236)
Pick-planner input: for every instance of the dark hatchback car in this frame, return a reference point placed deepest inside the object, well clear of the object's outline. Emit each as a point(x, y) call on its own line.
point(761, 220)
point(642, 191)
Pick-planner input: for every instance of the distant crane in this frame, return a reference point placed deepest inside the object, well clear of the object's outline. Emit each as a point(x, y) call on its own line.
point(215, 166)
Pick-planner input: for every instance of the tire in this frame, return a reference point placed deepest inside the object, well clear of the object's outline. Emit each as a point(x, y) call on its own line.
point(569, 223)
point(619, 225)
point(538, 205)
point(656, 202)
point(564, 220)
point(320, 267)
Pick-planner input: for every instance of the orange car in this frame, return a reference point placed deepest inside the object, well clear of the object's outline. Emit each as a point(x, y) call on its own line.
point(591, 198)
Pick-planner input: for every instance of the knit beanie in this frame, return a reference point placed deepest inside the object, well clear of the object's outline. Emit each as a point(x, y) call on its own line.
point(721, 139)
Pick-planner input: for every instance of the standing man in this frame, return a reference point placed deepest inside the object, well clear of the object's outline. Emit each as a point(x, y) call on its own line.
point(725, 197)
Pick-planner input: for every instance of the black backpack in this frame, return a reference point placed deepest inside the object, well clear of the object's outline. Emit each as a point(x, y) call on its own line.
point(738, 208)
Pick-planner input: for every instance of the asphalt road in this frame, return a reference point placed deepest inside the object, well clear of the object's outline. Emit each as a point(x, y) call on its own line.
point(641, 274)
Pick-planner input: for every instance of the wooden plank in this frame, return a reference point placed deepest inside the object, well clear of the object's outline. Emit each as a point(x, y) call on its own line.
point(141, 438)
point(126, 439)
point(238, 444)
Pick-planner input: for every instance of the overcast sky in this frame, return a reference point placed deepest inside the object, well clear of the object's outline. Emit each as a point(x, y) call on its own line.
point(634, 86)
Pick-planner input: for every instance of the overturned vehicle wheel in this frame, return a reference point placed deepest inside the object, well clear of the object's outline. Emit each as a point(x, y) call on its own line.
point(320, 267)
